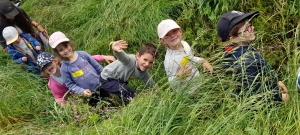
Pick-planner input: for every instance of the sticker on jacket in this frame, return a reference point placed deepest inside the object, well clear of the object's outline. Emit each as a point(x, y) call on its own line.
point(77, 73)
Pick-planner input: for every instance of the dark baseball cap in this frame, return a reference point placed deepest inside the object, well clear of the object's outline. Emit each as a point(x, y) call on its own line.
point(43, 59)
point(8, 9)
point(230, 19)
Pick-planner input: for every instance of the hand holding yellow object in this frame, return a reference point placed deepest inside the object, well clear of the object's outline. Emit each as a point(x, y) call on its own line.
point(184, 61)
point(185, 69)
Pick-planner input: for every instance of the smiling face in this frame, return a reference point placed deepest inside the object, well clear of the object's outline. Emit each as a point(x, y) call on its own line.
point(144, 61)
point(65, 51)
point(51, 68)
point(173, 38)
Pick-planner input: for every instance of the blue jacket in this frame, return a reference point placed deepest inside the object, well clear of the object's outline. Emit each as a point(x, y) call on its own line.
point(252, 69)
point(16, 55)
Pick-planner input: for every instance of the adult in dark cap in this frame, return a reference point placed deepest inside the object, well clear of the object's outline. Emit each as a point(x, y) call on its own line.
point(236, 31)
point(10, 15)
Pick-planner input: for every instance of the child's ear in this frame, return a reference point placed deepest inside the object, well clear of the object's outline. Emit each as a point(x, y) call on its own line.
point(137, 55)
point(162, 41)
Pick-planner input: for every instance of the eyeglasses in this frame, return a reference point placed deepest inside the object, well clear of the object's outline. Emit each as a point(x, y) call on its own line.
point(248, 28)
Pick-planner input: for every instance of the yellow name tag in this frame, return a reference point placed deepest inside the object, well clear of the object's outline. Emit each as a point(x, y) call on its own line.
point(77, 73)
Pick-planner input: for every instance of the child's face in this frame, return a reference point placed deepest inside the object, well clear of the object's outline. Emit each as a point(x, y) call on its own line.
point(145, 61)
point(51, 68)
point(247, 32)
point(172, 38)
point(65, 52)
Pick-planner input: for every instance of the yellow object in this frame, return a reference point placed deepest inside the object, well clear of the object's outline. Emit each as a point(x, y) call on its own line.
point(77, 73)
point(184, 61)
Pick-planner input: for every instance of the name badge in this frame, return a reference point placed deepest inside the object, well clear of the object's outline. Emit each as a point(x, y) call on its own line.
point(77, 73)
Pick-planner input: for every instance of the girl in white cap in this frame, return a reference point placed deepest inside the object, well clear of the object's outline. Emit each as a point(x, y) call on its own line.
point(180, 63)
point(80, 72)
point(50, 67)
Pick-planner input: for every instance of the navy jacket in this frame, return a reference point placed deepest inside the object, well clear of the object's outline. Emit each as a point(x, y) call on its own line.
point(251, 68)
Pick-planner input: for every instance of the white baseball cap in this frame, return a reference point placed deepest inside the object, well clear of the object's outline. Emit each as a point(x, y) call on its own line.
point(165, 26)
point(10, 34)
point(56, 38)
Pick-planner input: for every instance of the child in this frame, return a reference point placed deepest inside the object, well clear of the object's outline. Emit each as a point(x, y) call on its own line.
point(10, 15)
point(236, 28)
point(114, 77)
point(50, 66)
point(22, 48)
point(179, 60)
point(79, 70)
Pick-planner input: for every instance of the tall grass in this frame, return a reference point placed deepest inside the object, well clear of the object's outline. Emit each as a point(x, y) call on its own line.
point(204, 106)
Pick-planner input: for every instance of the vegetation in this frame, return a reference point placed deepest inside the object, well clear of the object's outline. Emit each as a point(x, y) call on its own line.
point(205, 106)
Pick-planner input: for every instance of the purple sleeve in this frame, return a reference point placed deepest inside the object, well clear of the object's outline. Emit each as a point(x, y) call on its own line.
point(69, 82)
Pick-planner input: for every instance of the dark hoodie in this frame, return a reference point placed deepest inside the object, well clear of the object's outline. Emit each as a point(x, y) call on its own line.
point(251, 69)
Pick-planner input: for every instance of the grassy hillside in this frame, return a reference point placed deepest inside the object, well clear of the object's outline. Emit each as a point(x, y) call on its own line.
point(205, 106)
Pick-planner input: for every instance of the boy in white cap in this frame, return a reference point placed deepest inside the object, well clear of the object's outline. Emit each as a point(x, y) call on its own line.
point(10, 15)
point(180, 63)
point(22, 48)
point(254, 73)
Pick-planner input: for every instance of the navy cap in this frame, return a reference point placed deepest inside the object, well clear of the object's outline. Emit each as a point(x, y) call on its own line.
point(230, 19)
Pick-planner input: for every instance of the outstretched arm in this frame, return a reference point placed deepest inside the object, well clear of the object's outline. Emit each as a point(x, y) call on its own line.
point(107, 58)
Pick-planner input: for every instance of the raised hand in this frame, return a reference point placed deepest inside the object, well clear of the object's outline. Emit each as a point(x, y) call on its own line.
point(119, 45)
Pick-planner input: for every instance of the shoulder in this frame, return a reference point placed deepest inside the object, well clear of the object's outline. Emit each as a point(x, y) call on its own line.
point(132, 57)
point(11, 49)
point(82, 53)
point(25, 35)
point(184, 43)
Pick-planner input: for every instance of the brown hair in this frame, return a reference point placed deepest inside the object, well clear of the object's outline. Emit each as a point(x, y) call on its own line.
point(234, 32)
point(22, 20)
point(65, 44)
point(149, 48)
